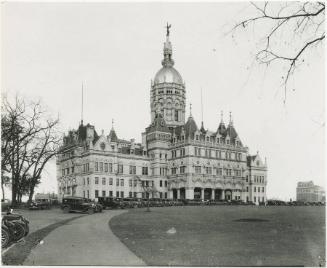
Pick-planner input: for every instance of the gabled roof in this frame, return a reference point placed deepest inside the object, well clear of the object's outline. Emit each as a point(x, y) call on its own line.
point(222, 129)
point(158, 124)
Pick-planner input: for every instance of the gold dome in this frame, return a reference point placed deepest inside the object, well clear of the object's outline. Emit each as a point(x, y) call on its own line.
point(168, 74)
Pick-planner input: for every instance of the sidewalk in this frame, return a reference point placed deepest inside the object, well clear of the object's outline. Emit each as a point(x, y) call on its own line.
point(84, 241)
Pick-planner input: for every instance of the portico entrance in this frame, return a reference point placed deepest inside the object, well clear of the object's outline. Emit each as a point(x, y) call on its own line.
point(207, 193)
point(218, 194)
point(197, 193)
point(182, 193)
point(228, 194)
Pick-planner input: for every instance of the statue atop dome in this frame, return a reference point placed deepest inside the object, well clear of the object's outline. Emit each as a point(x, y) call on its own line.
point(168, 27)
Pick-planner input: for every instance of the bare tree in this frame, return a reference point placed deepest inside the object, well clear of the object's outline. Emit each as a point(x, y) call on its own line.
point(29, 140)
point(290, 30)
point(148, 189)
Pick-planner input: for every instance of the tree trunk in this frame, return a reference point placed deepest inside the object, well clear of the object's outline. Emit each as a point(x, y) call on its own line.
point(31, 193)
point(3, 191)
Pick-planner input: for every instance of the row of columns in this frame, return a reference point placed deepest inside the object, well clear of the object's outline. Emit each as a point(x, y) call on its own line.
point(189, 193)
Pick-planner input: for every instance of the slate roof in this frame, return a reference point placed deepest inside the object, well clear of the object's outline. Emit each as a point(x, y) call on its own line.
point(113, 135)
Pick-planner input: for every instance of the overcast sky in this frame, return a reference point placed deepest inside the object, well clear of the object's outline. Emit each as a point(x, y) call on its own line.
point(116, 49)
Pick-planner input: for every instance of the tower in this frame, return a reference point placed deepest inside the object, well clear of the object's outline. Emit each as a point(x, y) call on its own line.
point(168, 90)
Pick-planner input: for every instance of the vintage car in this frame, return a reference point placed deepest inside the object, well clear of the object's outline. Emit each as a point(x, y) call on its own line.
point(111, 202)
point(80, 204)
point(40, 204)
point(13, 228)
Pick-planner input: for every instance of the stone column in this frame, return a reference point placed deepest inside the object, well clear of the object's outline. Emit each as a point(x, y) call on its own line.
point(202, 193)
point(178, 194)
point(222, 194)
point(212, 194)
point(170, 194)
point(189, 193)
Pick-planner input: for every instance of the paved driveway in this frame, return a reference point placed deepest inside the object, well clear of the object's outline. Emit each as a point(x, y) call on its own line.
point(84, 241)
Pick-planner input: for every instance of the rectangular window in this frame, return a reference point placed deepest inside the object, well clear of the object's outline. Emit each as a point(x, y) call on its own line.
point(165, 195)
point(88, 194)
point(103, 181)
point(110, 181)
point(135, 183)
point(182, 170)
point(130, 183)
point(120, 169)
point(247, 188)
point(130, 194)
point(110, 193)
point(258, 189)
point(110, 167)
point(197, 169)
point(101, 166)
point(96, 193)
point(96, 180)
point(117, 182)
point(72, 169)
point(122, 194)
point(135, 194)
point(144, 170)
point(96, 166)
point(160, 183)
point(209, 170)
point(255, 189)
point(122, 182)
point(263, 189)
point(255, 199)
point(103, 193)
point(132, 170)
point(117, 193)
point(173, 171)
point(84, 194)
point(105, 167)
point(220, 171)
point(88, 181)
point(176, 115)
point(165, 183)
point(84, 181)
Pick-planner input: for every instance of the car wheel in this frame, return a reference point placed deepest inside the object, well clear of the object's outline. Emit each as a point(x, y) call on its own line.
point(5, 237)
point(18, 231)
point(90, 210)
point(66, 209)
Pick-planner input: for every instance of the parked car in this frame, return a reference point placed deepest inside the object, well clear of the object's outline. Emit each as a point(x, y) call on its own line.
point(80, 204)
point(110, 202)
point(13, 228)
point(40, 204)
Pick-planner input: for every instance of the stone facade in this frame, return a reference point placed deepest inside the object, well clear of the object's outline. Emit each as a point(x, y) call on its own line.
point(175, 159)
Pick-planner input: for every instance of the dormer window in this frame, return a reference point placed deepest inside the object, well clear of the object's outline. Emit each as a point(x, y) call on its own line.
point(197, 137)
point(207, 139)
point(227, 141)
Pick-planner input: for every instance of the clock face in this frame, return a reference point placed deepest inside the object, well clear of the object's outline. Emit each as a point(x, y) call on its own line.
point(103, 145)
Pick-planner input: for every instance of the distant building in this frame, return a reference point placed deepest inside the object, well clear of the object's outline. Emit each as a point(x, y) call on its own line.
point(306, 191)
point(176, 157)
point(49, 196)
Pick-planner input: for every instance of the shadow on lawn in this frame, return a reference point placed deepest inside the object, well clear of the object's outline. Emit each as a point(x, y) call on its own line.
point(20, 251)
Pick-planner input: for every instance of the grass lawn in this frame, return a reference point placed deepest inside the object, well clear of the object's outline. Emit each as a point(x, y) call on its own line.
point(222, 236)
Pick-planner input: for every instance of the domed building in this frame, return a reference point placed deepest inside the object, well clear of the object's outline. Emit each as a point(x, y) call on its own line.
point(175, 160)
point(168, 90)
